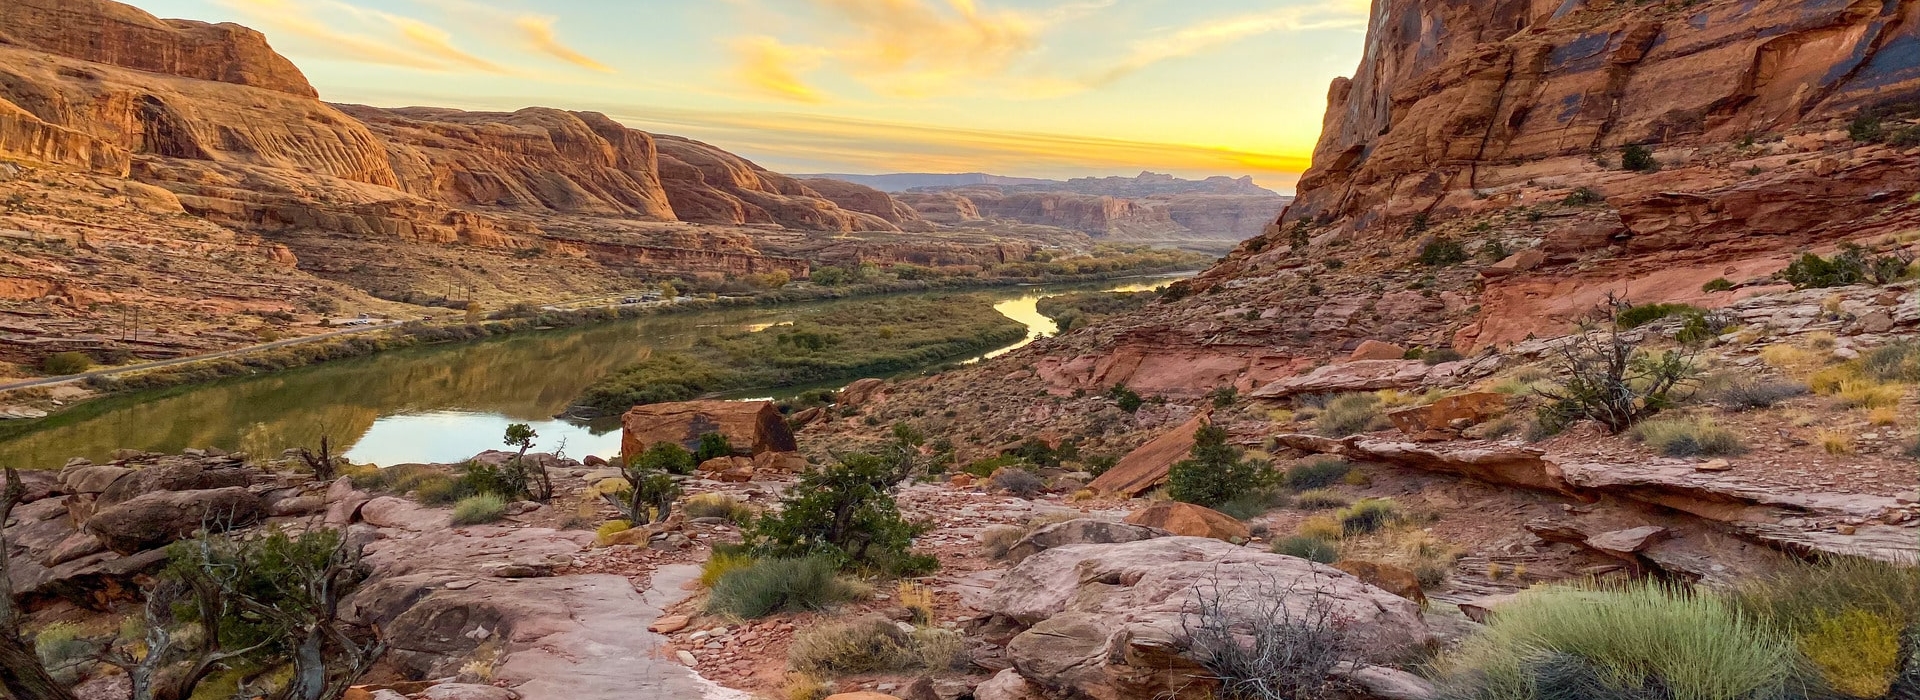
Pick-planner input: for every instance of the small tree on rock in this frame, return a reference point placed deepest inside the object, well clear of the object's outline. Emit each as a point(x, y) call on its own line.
point(1215, 472)
point(1609, 378)
point(845, 511)
point(521, 435)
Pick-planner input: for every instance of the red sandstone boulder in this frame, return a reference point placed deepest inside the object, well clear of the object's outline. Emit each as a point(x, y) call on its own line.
point(1376, 350)
point(1147, 466)
point(1189, 520)
point(752, 427)
point(862, 392)
point(1444, 419)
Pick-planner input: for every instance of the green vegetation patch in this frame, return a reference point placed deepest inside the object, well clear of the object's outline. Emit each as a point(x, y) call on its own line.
point(1079, 309)
point(864, 339)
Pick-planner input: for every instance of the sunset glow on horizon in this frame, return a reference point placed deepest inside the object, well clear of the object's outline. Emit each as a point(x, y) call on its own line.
point(1032, 88)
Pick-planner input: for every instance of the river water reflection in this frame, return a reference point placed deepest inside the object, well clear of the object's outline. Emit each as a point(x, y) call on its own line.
point(429, 404)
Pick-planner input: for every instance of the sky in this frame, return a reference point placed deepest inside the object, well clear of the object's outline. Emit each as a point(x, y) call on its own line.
point(1032, 88)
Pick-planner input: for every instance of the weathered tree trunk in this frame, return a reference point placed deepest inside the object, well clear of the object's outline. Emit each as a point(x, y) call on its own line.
point(22, 674)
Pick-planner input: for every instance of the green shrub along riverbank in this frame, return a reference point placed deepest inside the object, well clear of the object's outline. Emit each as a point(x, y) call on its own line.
point(846, 342)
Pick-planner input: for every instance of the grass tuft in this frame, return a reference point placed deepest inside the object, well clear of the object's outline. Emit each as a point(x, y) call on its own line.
point(1317, 473)
point(873, 645)
point(769, 586)
point(1309, 548)
point(476, 510)
point(1688, 437)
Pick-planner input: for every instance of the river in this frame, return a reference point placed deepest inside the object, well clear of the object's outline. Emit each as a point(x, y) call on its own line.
point(439, 403)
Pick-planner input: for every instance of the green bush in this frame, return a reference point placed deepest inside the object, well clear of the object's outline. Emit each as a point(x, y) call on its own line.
point(1214, 472)
point(1642, 641)
point(1867, 128)
point(1688, 437)
point(667, 457)
point(1316, 473)
point(1898, 361)
point(1367, 516)
point(1443, 252)
point(1125, 398)
point(1637, 316)
point(482, 478)
point(1350, 414)
point(844, 512)
point(712, 445)
point(1639, 159)
point(65, 363)
point(1583, 196)
point(1308, 548)
point(769, 586)
point(476, 510)
point(1717, 284)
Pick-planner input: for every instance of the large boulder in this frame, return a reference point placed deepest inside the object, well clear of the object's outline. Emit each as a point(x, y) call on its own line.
point(93, 479)
point(1445, 418)
point(1106, 621)
point(155, 519)
point(752, 427)
point(1362, 375)
point(1189, 520)
point(174, 475)
point(1080, 531)
point(1146, 467)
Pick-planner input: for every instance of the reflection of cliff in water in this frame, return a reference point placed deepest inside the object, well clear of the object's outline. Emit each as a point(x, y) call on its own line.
point(526, 377)
point(443, 402)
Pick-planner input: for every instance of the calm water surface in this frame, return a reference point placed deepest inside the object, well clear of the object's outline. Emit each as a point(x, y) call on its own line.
point(440, 403)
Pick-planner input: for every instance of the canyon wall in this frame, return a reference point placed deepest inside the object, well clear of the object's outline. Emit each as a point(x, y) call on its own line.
point(1454, 98)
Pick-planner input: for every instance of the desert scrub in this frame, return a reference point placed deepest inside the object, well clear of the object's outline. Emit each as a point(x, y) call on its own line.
point(1748, 394)
point(769, 586)
point(1846, 615)
point(1349, 414)
point(873, 338)
point(1639, 641)
point(1309, 548)
point(1320, 499)
point(717, 505)
point(997, 539)
point(873, 645)
point(603, 535)
point(1018, 482)
point(479, 509)
point(64, 363)
point(1688, 437)
point(1252, 504)
point(720, 563)
point(1367, 516)
point(845, 512)
point(1078, 309)
point(1316, 473)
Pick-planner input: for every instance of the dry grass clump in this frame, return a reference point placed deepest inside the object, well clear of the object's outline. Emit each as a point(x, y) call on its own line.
point(1320, 499)
point(476, 510)
point(1688, 437)
point(1845, 614)
point(1351, 414)
point(997, 539)
point(873, 645)
point(768, 586)
point(717, 505)
point(1834, 442)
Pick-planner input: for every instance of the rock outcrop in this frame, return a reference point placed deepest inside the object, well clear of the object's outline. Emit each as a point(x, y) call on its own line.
point(112, 33)
point(1104, 620)
point(752, 427)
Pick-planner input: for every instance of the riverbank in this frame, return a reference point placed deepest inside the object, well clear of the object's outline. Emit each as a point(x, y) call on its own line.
point(336, 345)
point(430, 402)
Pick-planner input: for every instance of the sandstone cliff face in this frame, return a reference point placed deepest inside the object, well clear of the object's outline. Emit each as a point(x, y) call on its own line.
point(863, 199)
point(1457, 97)
point(709, 185)
point(108, 32)
point(531, 160)
point(1215, 220)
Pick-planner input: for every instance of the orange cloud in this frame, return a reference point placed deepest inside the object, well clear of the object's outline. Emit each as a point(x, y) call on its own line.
point(773, 68)
point(539, 34)
point(436, 42)
point(1197, 38)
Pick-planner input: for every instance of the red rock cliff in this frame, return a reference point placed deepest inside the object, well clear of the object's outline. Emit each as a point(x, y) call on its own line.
point(122, 35)
point(1457, 96)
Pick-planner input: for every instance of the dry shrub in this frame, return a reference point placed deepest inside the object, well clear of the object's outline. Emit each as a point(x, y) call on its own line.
point(1835, 442)
point(717, 505)
point(873, 645)
point(1320, 499)
point(997, 539)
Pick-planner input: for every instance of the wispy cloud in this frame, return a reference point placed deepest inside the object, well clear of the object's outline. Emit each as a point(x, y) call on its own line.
point(1212, 34)
point(347, 32)
point(772, 68)
point(541, 37)
point(925, 48)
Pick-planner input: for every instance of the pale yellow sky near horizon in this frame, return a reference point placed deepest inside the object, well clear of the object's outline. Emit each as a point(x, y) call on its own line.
point(1033, 88)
